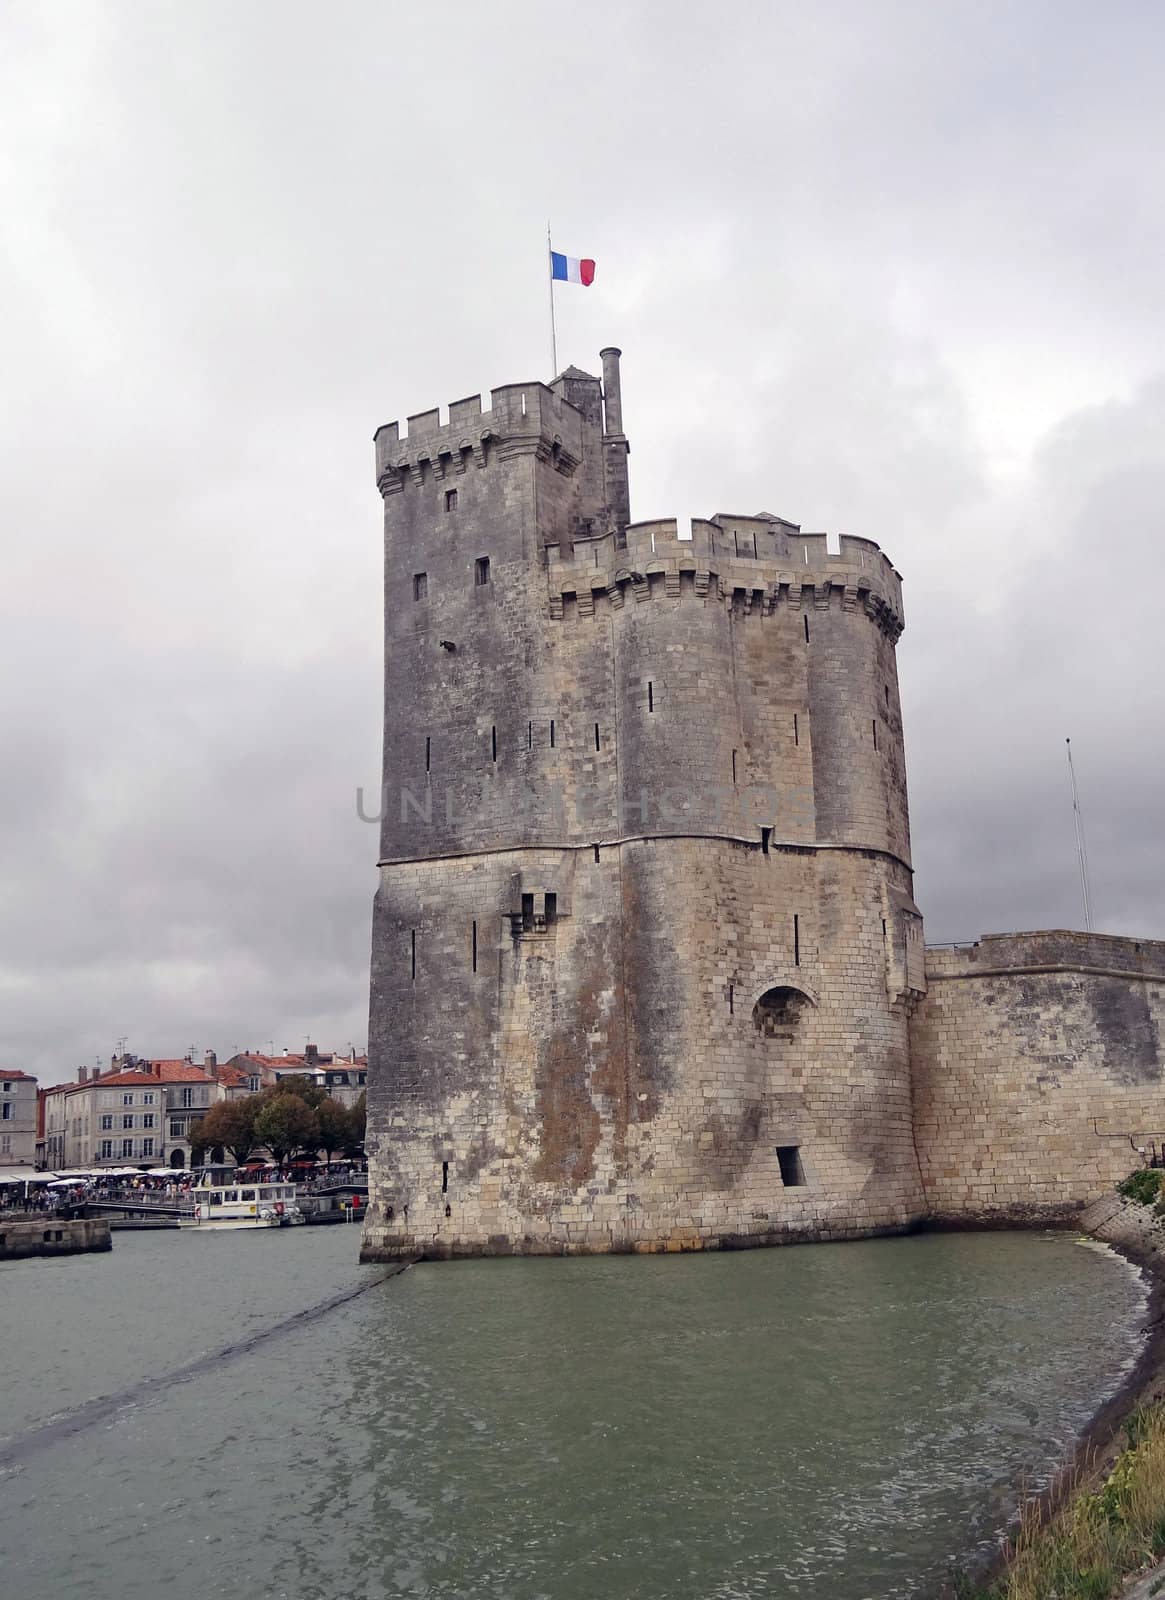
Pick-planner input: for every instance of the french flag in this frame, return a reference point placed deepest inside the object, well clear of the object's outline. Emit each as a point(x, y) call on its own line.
point(569, 269)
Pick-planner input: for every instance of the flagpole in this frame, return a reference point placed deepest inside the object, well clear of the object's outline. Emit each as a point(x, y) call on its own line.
point(550, 281)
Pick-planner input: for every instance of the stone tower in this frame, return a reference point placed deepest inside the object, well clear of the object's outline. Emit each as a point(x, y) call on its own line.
point(644, 946)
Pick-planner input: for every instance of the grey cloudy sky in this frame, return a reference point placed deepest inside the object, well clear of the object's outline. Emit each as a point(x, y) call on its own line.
point(890, 269)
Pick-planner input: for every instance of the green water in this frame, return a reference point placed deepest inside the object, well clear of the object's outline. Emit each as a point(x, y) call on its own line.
point(833, 1422)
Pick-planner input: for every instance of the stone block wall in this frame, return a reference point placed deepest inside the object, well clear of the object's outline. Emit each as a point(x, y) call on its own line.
point(1037, 1070)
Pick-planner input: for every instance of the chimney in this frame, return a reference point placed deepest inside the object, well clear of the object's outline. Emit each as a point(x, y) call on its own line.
point(310, 1054)
point(157, 1066)
point(82, 1074)
point(210, 1061)
point(615, 448)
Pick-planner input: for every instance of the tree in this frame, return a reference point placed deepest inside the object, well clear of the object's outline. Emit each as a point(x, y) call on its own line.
point(307, 1089)
point(334, 1127)
point(285, 1124)
point(357, 1125)
point(230, 1123)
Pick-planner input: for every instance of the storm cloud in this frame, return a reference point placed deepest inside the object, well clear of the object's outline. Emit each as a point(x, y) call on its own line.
point(886, 269)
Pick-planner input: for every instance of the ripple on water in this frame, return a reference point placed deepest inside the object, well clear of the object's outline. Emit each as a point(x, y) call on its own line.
point(816, 1422)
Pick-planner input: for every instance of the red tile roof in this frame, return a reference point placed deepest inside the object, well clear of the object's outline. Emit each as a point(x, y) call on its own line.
point(23, 1077)
point(176, 1072)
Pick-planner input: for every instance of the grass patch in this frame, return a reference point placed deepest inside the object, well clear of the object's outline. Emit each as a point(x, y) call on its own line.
point(1143, 1186)
point(1101, 1535)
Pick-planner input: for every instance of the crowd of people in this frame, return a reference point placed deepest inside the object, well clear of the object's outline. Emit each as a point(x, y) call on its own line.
point(45, 1192)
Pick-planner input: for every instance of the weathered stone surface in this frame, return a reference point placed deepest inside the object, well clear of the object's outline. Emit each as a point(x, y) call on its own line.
point(1037, 1071)
point(645, 914)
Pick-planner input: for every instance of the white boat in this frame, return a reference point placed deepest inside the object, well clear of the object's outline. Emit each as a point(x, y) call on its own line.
point(222, 1205)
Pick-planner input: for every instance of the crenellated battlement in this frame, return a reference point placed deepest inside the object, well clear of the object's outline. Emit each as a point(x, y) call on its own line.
point(521, 418)
point(755, 563)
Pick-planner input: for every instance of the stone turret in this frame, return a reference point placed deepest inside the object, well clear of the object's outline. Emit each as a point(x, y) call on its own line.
point(644, 944)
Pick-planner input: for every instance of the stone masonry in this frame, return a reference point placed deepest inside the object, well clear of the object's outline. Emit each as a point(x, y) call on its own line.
point(647, 970)
point(1037, 1072)
point(644, 947)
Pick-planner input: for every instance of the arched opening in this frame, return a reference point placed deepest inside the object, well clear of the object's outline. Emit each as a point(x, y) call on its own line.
point(177, 1159)
point(778, 1011)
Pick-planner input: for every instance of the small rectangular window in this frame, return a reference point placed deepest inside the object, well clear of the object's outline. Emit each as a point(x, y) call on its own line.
point(451, 499)
point(551, 909)
point(765, 835)
point(481, 571)
point(552, 734)
point(596, 855)
point(444, 1177)
point(731, 999)
point(527, 913)
point(420, 585)
point(792, 1172)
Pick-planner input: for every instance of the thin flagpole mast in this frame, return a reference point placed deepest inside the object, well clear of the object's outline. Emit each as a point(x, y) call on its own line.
point(1081, 847)
point(550, 281)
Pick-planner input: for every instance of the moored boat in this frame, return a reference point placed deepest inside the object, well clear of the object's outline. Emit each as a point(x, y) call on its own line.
point(224, 1205)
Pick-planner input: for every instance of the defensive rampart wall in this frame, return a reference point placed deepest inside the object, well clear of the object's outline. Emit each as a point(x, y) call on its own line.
point(1038, 1073)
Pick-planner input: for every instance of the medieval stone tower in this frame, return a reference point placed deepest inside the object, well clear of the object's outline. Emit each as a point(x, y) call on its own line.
point(645, 947)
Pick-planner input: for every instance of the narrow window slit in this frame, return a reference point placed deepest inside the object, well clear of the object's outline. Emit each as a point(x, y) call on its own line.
point(445, 1178)
point(734, 766)
point(874, 725)
point(796, 940)
point(796, 730)
point(731, 999)
point(765, 835)
point(805, 620)
point(493, 742)
point(527, 913)
point(596, 736)
point(474, 946)
point(596, 854)
point(650, 696)
point(428, 750)
point(413, 954)
point(551, 910)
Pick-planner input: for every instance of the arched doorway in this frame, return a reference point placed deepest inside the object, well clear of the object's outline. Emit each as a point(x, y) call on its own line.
point(778, 1011)
point(177, 1159)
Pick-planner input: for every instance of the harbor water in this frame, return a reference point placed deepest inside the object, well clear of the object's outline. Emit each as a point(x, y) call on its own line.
point(259, 1416)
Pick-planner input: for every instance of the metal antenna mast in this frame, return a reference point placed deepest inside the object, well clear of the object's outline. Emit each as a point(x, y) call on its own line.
point(1081, 847)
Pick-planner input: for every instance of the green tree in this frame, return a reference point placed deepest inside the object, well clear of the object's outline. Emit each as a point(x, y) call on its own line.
point(230, 1123)
point(307, 1089)
point(334, 1127)
point(286, 1124)
point(357, 1126)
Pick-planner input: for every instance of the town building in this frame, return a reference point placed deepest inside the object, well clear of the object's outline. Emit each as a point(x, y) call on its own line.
point(18, 1110)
